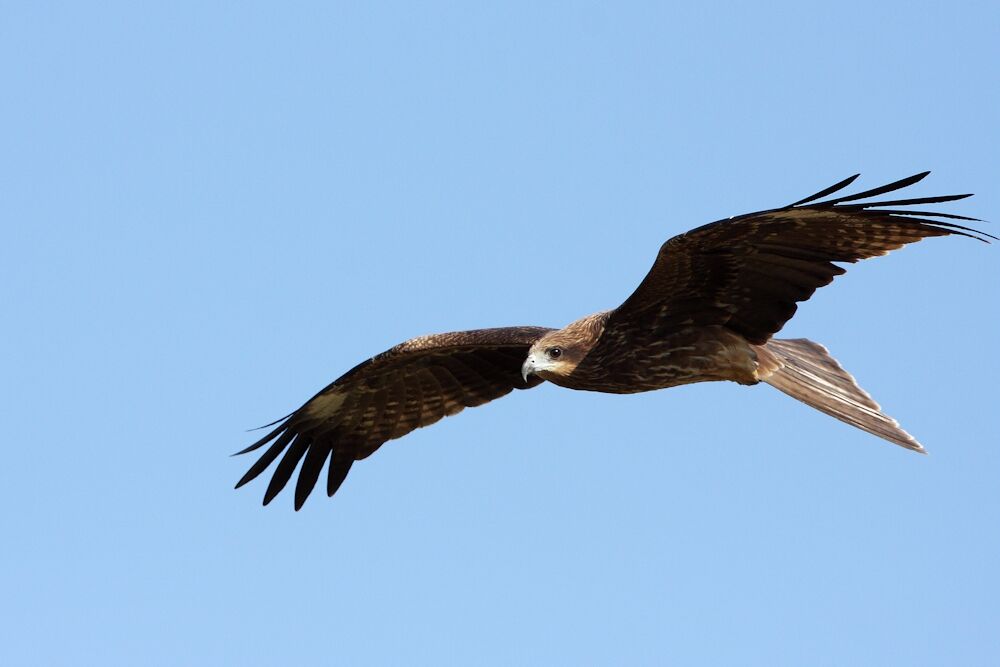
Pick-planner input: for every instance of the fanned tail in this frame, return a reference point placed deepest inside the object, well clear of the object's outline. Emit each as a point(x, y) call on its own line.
point(805, 371)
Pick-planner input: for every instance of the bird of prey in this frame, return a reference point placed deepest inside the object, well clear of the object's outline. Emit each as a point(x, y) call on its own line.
point(707, 310)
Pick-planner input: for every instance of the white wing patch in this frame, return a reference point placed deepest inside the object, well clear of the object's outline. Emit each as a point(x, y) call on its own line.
point(325, 405)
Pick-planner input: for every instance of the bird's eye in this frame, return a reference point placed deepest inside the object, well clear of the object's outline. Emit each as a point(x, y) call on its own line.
point(555, 352)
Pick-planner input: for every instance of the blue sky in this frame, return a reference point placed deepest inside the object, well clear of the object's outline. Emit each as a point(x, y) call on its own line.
point(209, 212)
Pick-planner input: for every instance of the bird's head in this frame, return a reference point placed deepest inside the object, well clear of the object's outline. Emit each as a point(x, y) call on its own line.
point(550, 359)
point(557, 354)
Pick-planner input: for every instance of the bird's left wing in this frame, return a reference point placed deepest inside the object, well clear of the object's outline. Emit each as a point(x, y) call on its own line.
point(411, 385)
point(748, 273)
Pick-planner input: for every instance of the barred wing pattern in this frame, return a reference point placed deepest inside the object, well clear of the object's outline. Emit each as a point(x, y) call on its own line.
point(411, 385)
point(749, 272)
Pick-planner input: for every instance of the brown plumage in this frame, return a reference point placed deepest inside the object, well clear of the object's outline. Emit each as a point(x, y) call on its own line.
point(706, 311)
point(411, 385)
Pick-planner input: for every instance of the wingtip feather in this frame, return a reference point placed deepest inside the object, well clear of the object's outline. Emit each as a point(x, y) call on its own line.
point(874, 192)
point(840, 185)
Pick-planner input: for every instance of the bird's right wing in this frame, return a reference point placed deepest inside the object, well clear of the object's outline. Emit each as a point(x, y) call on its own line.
point(411, 385)
point(749, 272)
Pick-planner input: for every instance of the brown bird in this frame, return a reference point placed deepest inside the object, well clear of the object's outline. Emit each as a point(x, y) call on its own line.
point(706, 311)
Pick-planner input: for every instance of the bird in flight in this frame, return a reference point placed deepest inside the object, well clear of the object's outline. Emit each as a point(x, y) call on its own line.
point(706, 311)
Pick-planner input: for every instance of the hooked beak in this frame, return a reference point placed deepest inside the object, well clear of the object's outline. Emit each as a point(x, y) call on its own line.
point(528, 368)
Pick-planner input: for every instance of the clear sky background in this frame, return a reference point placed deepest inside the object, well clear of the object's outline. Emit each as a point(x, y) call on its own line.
point(211, 211)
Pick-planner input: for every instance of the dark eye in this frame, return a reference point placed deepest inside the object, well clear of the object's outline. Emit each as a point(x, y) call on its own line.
point(555, 352)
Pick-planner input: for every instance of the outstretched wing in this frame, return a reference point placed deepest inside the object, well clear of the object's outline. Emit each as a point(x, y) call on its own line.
point(749, 272)
point(414, 384)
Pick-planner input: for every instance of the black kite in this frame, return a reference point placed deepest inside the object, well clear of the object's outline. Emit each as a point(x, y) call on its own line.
point(706, 311)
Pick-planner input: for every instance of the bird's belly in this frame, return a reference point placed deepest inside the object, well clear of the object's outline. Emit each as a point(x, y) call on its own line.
point(702, 354)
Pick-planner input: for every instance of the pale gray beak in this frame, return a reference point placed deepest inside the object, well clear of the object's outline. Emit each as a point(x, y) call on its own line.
point(527, 368)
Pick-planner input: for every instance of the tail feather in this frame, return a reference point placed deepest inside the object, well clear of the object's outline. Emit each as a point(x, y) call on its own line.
point(805, 371)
